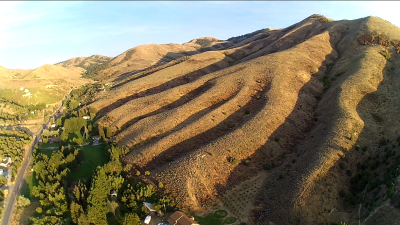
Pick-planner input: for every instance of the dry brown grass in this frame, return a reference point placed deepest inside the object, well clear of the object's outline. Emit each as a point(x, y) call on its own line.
point(184, 122)
point(144, 56)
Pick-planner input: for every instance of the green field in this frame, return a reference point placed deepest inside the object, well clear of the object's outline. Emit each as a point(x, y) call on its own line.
point(93, 156)
point(38, 95)
point(75, 135)
point(30, 181)
point(216, 218)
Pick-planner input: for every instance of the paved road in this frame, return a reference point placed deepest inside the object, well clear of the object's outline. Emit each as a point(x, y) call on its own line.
point(15, 190)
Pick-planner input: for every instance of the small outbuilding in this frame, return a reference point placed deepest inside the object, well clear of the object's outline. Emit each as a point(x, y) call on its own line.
point(6, 162)
point(113, 193)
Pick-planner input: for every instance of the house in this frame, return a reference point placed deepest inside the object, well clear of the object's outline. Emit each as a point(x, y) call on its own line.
point(179, 218)
point(86, 117)
point(3, 173)
point(6, 161)
point(53, 125)
point(148, 206)
point(113, 193)
point(96, 138)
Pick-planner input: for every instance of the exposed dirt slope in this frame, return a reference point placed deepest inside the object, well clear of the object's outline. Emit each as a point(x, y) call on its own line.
point(293, 100)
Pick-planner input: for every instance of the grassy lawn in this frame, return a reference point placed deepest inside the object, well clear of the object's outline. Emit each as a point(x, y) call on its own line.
point(75, 135)
point(30, 181)
point(93, 156)
point(48, 145)
point(48, 152)
point(219, 217)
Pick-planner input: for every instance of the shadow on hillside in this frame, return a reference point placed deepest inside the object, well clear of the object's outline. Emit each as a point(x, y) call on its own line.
point(184, 79)
point(237, 119)
point(169, 57)
point(276, 199)
point(379, 111)
point(287, 136)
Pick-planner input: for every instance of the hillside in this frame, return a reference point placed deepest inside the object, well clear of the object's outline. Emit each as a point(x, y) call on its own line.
point(12, 74)
point(292, 109)
point(46, 84)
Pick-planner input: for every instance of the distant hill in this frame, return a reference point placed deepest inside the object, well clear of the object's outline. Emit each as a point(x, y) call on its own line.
point(12, 73)
point(46, 84)
point(297, 125)
point(85, 62)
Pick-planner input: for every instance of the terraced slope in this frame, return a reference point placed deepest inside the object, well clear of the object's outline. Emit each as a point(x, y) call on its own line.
point(294, 101)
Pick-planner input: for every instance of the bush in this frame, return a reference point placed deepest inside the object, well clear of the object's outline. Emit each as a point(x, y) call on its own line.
point(233, 161)
point(229, 220)
point(147, 173)
point(386, 54)
point(280, 176)
point(220, 213)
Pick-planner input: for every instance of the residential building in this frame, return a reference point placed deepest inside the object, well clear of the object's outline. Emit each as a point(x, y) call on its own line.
point(180, 218)
point(6, 162)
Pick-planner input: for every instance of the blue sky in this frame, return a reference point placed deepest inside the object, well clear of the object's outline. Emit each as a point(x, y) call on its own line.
point(37, 33)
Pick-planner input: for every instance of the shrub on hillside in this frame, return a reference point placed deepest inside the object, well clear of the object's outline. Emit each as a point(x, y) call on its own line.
point(386, 54)
point(233, 161)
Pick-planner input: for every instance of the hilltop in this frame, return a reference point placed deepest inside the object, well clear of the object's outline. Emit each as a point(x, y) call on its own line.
point(85, 62)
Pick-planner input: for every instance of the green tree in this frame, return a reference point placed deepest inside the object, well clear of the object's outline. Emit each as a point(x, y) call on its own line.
point(73, 104)
point(78, 141)
point(73, 125)
point(64, 136)
point(131, 219)
point(22, 201)
point(3, 180)
point(59, 122)
point(109, 132)
point(101, 132)
point(76, 211)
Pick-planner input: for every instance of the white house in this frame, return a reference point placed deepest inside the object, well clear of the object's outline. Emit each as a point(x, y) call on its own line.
point(28, 94)
point(86, 117)
point(6, 161)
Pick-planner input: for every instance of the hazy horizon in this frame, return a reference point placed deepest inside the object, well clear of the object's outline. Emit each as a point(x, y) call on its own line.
point(38, 33)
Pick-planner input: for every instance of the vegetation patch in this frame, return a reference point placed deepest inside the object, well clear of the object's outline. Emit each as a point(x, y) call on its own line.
point(386, 54)
point(93, 156)
point(220, 213)
point(229, 220)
